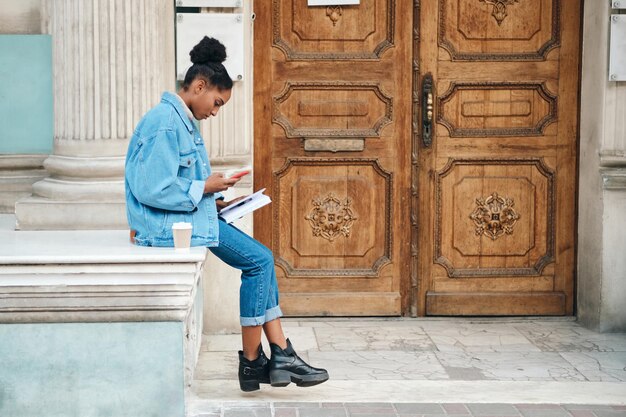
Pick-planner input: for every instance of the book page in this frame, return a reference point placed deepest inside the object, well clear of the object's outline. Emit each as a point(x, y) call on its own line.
point(245, 206)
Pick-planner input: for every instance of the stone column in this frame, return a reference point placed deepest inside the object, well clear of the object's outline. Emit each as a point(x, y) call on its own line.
point(601, 274)
point(111, 61)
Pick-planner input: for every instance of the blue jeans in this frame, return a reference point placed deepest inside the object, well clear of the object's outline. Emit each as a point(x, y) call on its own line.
point(258, 294)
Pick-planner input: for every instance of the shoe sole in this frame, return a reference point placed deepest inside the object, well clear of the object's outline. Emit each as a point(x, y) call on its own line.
point(251, 385)
point(284, 378)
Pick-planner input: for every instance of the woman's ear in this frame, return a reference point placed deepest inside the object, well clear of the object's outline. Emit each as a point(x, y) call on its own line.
point(199, 85)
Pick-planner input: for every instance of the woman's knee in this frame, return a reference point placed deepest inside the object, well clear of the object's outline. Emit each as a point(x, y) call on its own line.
point(266, 258)
point(258, 262)
point(264, 254)
point(262, 248)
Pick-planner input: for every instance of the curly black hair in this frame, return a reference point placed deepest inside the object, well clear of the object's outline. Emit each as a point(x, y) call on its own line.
point(207, 57)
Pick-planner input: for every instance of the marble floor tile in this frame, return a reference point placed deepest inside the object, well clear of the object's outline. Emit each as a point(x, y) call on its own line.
point(221, 342)
point(379, 365)
point(610, 413)
point(477, 337)
point(570, 337)
point(599, 366)
point(419, 408)
point(302, 338)
point(217, 365)
point(281, 404)
point(247, 412)
point(510, 366)
point(373, 338)
point(493, 410)
point(322, 412)
point(290, 322)
point(285, 412)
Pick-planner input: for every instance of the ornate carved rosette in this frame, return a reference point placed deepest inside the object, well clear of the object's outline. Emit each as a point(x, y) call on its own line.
point(330, 217)
point(334, 13)
point(499, 8)
point(494, 216)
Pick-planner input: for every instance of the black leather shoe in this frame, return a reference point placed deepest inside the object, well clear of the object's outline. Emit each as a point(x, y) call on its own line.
point(251, 373)
point(286, 367)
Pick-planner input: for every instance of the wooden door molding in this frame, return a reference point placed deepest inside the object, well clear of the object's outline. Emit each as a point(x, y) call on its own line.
point(302, 108)
point(462, 38)
point(303, 30)
point(533, 101)
point(537, 251)
point(359, 197)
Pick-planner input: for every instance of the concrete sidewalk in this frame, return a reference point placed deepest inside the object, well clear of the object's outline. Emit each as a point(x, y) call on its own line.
point(422, 366)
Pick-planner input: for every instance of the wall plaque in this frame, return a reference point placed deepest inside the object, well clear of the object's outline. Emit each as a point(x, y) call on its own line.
point(617, 65)
point(225, 27)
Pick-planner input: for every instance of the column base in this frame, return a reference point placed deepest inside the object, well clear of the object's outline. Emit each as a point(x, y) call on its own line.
point(18, 173)
point(38, 213)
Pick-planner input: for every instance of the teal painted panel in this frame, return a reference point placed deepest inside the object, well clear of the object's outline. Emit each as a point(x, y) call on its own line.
point(26, 105)
point(92, 369)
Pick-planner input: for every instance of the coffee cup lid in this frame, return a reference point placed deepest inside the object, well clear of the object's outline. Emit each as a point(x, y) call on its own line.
point(181, 225)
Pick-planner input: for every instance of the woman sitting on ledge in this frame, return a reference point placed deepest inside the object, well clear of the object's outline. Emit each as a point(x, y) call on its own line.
point(169, 180)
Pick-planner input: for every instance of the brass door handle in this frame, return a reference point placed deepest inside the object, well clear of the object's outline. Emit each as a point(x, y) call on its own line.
point(428, 105)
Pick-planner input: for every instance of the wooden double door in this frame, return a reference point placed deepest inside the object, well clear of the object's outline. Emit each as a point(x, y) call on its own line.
point(420, 155)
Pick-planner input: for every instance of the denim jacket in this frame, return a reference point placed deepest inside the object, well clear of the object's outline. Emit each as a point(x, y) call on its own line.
point(166, 166)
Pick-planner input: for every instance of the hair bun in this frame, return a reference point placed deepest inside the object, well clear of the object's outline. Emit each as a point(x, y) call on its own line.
point(208, 50)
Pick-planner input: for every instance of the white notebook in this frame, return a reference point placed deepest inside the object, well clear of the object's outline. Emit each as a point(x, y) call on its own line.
point(247, 205)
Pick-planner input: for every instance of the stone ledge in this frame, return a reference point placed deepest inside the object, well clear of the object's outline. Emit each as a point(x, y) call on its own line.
point(68, 302)
point(85, 246)
point(92, 276)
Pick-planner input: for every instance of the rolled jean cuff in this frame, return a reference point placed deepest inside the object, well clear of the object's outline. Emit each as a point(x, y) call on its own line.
point(271, 314)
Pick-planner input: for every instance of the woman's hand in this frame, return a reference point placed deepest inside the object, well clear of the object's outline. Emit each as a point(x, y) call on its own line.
point(221, 203)
point(217, 182)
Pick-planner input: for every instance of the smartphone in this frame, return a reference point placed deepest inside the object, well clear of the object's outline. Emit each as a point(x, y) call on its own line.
point(239, 174)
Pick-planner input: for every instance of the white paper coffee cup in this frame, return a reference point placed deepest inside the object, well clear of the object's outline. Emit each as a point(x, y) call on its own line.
point(182, 235)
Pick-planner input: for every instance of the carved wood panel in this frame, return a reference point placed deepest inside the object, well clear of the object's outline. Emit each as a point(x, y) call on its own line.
point(340, 216)
point(494, 217)
point(496, 109)
point(497, 30)
point(332, 109)
point(361, 31)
